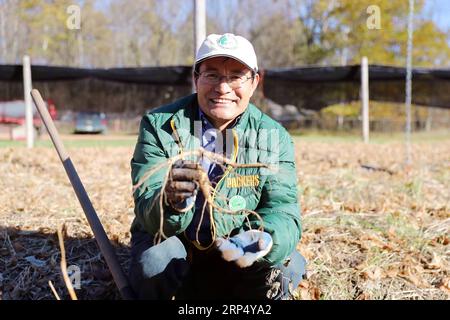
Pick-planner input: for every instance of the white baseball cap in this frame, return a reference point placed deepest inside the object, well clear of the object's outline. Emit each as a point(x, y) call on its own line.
point(228, 45)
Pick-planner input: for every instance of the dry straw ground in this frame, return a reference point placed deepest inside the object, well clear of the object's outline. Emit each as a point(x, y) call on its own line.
point(368, 234)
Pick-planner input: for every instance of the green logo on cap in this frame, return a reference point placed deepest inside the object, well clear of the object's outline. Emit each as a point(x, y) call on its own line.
point(227, 41)
point(237, 203)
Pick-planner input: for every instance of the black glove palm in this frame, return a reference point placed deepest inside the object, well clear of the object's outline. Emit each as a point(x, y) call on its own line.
point(182, 184)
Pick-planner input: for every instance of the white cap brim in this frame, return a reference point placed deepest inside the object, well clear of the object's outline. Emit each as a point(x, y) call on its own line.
point(227, 56)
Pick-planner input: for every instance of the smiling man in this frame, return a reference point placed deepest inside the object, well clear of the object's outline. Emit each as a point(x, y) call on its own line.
point(212, 253)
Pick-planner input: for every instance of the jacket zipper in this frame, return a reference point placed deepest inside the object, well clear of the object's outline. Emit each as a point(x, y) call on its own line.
point(227, 171)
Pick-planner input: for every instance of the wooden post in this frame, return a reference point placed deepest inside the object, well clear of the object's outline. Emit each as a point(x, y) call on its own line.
point(429, 119)
point(199, 26)
point(365, 98)
point(28, 104)
point(408, 91)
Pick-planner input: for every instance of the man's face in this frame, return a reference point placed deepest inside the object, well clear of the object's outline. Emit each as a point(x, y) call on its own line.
point(221, 103)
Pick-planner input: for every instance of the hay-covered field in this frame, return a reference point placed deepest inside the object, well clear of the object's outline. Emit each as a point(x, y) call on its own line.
point(368, 234)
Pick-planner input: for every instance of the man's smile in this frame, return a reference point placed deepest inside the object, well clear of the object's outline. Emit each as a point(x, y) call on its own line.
point(222, 101)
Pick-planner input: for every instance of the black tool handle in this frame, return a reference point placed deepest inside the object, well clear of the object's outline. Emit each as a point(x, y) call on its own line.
point(100, 235)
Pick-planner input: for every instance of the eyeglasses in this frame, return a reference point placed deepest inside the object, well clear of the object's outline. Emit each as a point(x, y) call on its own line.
point(235, 81)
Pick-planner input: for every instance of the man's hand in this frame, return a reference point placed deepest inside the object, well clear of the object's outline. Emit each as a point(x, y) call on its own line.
point(182, 185)
point(246, 247)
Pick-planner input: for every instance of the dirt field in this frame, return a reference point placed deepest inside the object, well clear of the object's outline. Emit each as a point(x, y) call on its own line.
point(372, 229)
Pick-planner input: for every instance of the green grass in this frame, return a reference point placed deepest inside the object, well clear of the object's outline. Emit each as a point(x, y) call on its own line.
point(404, 229)
point(111, 140)
point(82, 143)
point(375, 137)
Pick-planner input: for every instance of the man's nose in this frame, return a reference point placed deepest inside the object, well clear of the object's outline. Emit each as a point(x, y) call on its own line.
point(223, 86)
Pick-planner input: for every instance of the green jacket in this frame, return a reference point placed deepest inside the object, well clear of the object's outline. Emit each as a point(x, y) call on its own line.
point(272, 193)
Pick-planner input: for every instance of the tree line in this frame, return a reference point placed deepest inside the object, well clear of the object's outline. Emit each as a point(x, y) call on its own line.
point(285, 33)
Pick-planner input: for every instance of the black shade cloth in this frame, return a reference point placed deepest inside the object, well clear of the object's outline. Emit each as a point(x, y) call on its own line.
point(317, 87)
point(308, 87)
point(147, 75)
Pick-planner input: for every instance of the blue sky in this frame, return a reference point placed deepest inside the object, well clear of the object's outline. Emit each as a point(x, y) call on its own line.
point(438, 10)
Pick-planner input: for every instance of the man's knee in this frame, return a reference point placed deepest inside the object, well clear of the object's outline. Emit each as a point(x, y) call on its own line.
point(169, 254)
point(294, 267)
point(157, 271)
point(286, 277)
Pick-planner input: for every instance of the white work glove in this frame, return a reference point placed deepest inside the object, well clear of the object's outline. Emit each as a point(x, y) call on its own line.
point(246, 247)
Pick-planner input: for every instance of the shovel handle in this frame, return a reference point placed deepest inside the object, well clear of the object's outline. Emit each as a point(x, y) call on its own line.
point(99, 233)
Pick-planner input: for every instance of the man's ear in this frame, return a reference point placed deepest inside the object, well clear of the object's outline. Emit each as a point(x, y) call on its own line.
point(255, 83)
point(194, 81)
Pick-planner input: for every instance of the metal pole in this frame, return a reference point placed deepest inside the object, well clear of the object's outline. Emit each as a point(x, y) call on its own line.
point(365, 98)
point(100, 235)
point(26, 69)
point(199, 26)
point(408, 90)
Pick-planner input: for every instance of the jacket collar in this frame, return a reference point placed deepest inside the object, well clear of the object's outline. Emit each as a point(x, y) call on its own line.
point(188, 112)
